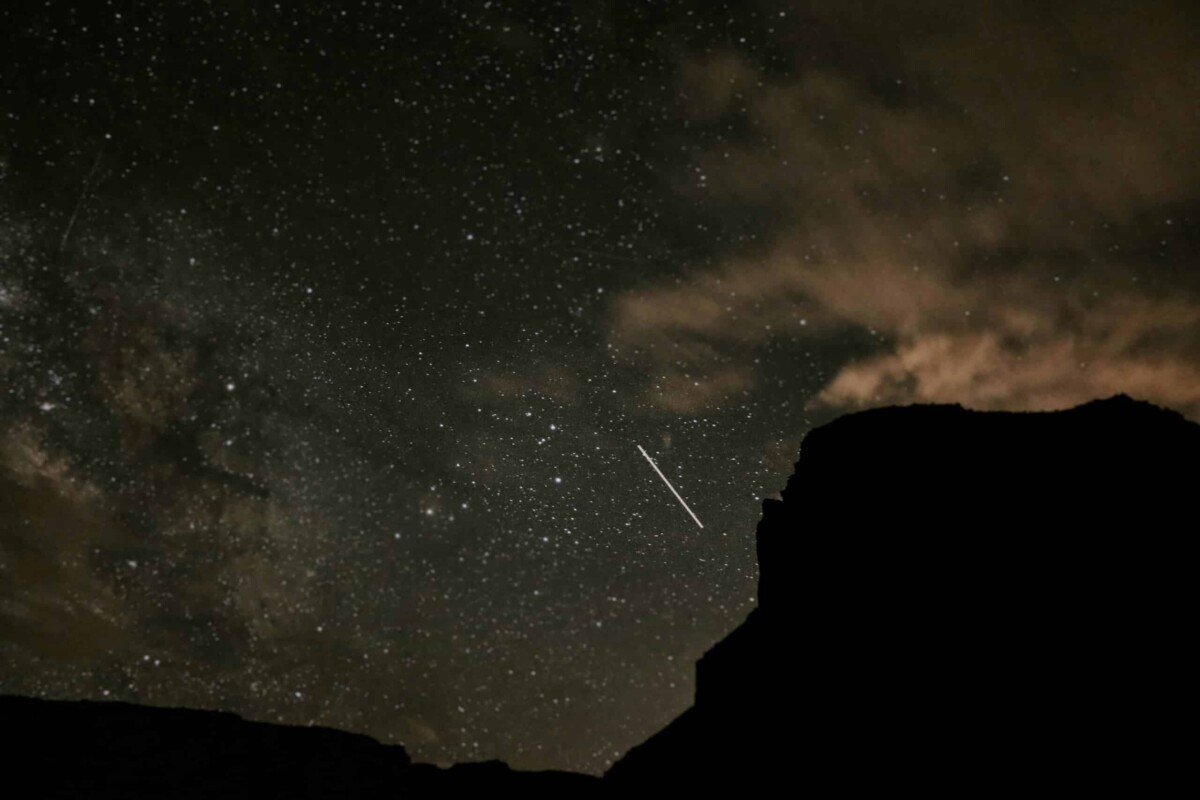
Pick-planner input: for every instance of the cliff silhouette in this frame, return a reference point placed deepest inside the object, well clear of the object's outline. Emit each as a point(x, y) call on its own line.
point(84, 749)
point(949, 601)
point(958, 602)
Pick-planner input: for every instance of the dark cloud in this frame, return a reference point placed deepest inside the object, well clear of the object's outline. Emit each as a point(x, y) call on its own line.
point(53, 604)
point(998, 225)
point(133, 472)
point(553, 381)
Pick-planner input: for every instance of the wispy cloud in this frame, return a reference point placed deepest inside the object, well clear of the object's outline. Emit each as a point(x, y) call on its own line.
point(995, 215)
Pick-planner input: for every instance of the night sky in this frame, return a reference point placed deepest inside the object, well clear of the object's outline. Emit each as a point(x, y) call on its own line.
point(329, 331)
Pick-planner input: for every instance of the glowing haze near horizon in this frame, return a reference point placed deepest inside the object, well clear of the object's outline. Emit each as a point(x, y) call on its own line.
point(328, 330)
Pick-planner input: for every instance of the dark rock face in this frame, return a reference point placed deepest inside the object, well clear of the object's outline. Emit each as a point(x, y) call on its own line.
point(955, 601)
point(951, 601)
point(85, 749)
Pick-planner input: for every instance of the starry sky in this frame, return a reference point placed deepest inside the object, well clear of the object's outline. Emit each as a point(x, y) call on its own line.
point(329, 331)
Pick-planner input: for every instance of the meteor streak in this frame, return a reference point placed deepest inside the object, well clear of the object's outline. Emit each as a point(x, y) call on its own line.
point(669, 486)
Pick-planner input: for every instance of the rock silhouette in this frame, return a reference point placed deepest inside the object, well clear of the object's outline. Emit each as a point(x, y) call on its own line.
point(950, 601)
point(957, 602)
point(120, 750)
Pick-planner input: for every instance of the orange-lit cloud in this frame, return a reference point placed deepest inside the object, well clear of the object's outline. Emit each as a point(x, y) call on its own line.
point(977, 211)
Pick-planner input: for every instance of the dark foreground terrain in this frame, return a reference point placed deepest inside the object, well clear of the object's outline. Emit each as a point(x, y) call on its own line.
point(950, 602)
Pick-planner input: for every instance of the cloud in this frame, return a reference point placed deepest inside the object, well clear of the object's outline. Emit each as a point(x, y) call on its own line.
point(550, 381)
point(994, 215)
point(979, 369)
point(137, 488)
point(52, 603)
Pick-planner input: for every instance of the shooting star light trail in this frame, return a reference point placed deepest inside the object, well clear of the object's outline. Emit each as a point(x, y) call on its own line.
point(669, 486)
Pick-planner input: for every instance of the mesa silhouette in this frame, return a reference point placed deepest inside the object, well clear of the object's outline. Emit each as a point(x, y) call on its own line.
point(950, 601)
point(957, 602)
